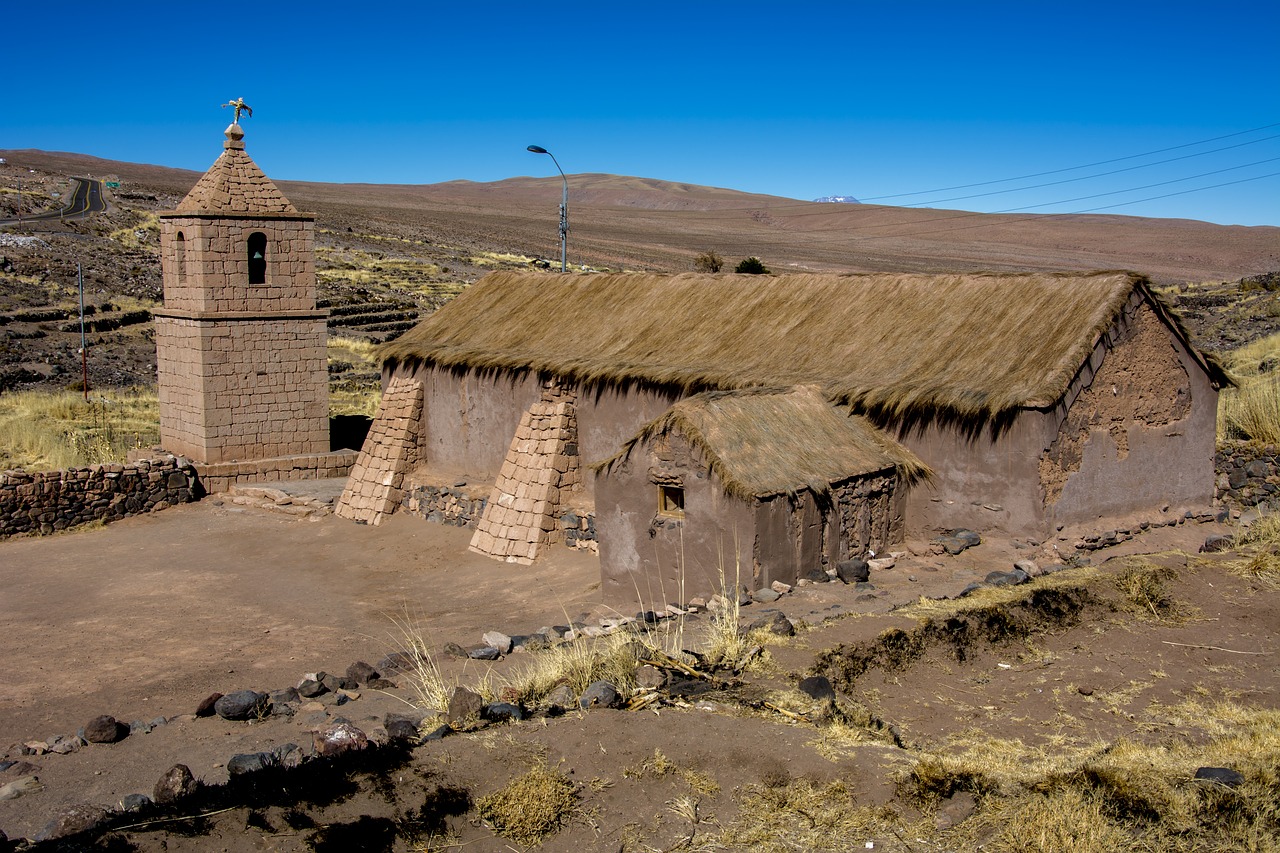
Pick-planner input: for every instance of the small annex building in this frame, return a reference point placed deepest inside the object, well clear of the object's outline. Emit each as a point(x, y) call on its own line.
point(1030, 400)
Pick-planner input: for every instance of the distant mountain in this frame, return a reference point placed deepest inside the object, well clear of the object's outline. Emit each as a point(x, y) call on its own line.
point(839, 199)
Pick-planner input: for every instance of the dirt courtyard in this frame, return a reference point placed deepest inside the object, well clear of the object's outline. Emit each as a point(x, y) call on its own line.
point(150, 615)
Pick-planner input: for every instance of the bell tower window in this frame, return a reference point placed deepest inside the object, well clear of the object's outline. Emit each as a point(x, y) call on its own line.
point(257, 246)
point(181, 252)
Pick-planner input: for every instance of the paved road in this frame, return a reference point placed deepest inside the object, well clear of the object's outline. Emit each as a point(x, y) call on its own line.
point(86, 198)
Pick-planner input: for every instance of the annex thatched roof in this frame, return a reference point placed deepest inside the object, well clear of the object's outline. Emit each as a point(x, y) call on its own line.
point(764, 442)
point(901, 348)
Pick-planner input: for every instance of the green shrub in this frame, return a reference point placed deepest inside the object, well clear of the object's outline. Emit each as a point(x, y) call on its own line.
point(751, 266)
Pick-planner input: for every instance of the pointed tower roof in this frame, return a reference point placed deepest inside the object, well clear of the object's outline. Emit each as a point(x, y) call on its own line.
point(234, 184)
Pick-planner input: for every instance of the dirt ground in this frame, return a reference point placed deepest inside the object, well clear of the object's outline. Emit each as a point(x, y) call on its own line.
point(147, 617)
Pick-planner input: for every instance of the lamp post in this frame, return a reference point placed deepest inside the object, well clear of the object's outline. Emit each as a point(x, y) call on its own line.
point(564, 207)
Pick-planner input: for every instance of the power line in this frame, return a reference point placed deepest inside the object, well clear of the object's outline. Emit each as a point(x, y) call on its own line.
point(1073, 168)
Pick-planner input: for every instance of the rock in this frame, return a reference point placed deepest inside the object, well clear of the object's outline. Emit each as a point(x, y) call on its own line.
point(744, 596)
point(560, 700)
point(953, 545)
point(65, 744)
point(650, 677)
point(1216, 543)
point(205, 708)
point(287, 696)
point(252, 762)
point(438, 733)
point(243, 705)
point(309, 688)
point(852, 571)
point(483, 653)
point(969, 536)
point(497, 640)
point(955, 810)
point(501, 712)
point(141, 727)
point(381, 684)
point(361, 672)
point(1084, 691)
point(1011, 578)
point(780, 588)
point(20, 787)
point(969, 590)
point(331, 682)
point(1221, 775)
point(338, 738)
point(818, 687)
point(402, 730)
point(880, 564)
point(130, 803)
point(288, 755)
point(398, 662)
point(775, 623)
point(766, 595)
point(1031, 568)
point(175, 784)
point(18, 768)
point(73, 820)
point(601, 694)
point(105, 729)
point(463, 705)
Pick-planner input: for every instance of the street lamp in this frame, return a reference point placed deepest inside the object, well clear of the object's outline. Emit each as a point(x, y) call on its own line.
point(564, 207)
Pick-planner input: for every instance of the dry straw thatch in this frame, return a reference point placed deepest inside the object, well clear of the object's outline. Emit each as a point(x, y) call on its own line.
point(764, 442)
point(901, 348)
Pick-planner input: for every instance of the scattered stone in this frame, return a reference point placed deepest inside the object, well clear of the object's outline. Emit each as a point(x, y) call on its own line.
point(205, 708)
point(1221, 775)
point(969, 590)
point(818, 687)
point(560, 700)
point(381, 684)
point(766, 595)
point(338, 738)
point(1031, 568)
point(438, 733)
point(252, 762)
point(287, 696)
point(175, 784)
point(1217, 543)
point(105, 729)
point(780, 588)
point(141, 727)
point(483, 653)
point(362, 673)
point(81, 817)
point(400, 662)
point(501, 712)
point(402, 730)
point(288, 755)
point(243, 705)
point(463, 705)
point(1084, 691)
point(310, 688)
point(497, 640)
point(131, 803)
point(853, 571)
point(650, 677)
point(1011, 578)
point(66, 744)
point(744, 596)
point(775, 623)
point(18, 768)
point(968, 536)
point(601, 694)
point(20, 787)
point(881, 563)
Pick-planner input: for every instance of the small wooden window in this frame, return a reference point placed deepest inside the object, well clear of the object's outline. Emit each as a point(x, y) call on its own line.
point(181, 244)
point(671, 501)
point(257, 258)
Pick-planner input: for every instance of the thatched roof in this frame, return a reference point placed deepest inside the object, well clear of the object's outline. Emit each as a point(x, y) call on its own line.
point(764, 442)
point(900, 348)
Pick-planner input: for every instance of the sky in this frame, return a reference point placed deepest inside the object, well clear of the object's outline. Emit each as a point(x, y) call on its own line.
point(890, 102)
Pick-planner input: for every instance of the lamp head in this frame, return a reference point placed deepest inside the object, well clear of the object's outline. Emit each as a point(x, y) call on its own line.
point(538, 149)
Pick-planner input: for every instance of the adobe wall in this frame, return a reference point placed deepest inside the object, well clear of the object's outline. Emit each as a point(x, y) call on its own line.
point(1134, 432)
point(242, 388)
point(653, 558)
point(470, 418)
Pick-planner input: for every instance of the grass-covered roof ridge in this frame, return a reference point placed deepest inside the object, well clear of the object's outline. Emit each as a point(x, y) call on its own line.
point(898, 347)
point(767, 441)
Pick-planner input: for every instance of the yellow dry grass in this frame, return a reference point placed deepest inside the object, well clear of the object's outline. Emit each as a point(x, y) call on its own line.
point(47, 431)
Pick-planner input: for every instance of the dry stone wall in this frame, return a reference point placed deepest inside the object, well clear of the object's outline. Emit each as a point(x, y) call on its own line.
point(46, 501)
point(457, 507)
point(1248, 474)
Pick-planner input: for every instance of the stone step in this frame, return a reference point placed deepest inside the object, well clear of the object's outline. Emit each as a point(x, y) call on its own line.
point(276, 500)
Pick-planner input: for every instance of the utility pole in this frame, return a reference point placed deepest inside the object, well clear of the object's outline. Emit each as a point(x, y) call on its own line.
point(84, 353)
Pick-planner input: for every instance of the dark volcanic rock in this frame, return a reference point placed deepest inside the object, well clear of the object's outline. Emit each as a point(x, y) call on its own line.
point(361, 672)
point(251, 762)
point(502, 712)
point(1216, 543)
point(463, 705)
point(1221, 775)
point(601, 694)
point(105, 729)
point(337, 738)
point(402, 730)
point(74, 819)
point(853, 571)
point(243, 705)
point(175, 784)
point(817, 687)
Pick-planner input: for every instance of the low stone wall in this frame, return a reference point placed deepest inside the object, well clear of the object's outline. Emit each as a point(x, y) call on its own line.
point(1248, 474)
point(45, 501)
point(221, 476)
point(459, 507)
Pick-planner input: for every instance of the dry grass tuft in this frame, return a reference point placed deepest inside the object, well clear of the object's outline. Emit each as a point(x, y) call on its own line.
point(41, 430)
point(423, 677)
point(611, 657)
point(1260, 544)
point(1142, 584)
point(531, 807)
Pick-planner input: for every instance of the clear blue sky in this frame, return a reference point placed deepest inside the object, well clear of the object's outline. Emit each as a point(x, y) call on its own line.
point(800, 99)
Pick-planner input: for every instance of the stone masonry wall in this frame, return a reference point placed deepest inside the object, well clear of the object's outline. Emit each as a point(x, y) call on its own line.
point(45, 501)
point(456, 507)
point(221, 476)
point(374, 489)
point(1247, 474)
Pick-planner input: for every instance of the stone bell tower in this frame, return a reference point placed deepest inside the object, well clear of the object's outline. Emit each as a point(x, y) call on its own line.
point(240, 344)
